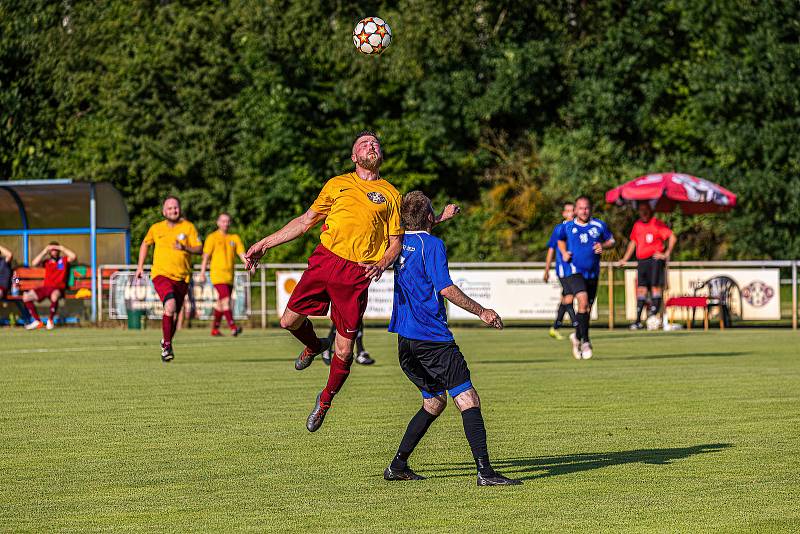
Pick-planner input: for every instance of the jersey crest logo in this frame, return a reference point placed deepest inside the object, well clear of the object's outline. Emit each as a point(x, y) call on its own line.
point(593, 232)
point(376, 197)
point(231, 243)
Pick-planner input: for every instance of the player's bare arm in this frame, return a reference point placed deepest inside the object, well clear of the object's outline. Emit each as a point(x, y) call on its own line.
point(143, 248)
point(462, 300)
point(547, 261)
point(448, 213)
point(6, 254)
point(600, 247)
point(566, 254)
point(667, 253)
point(292, 230)
point(40, 257)
point(71, 256)
point(204, 266)
point(375, 270)
point(197, 249)
point(628, 253)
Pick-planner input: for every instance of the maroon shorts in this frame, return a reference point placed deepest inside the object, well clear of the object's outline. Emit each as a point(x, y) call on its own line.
point(332, 280)
point(168, 288)
point(223, 290)
point(44, 292)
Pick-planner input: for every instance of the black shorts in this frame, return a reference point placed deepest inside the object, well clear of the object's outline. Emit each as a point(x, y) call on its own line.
point(576, 283)
point(434, 366)
point(651, 273)
point(563, 287)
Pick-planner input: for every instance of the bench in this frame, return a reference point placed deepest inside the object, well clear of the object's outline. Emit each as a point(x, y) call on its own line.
point(691, 303)
point(80, 288)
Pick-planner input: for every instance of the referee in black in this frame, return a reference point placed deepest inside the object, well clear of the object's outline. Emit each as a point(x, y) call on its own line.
point(647, 239)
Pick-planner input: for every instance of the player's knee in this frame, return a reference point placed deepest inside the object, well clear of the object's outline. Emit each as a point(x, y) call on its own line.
point(656, 292)
point(288, 323)
point(225, 303)
point(435, 405)
point(169, 306)
point(467, 399)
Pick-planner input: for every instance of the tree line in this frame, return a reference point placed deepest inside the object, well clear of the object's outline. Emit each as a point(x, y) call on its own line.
point(506, 107)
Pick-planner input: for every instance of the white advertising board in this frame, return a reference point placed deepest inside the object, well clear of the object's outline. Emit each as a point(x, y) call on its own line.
point(125, 293)
point(514, 294)
point(379, 304)
point(754, 293)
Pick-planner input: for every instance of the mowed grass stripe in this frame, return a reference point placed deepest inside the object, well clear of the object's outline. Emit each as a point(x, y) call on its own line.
point(660, 432)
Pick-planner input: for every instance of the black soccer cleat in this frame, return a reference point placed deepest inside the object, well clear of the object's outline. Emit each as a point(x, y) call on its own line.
point(496, 479)
point(326, 357)
point(364, 359)
point(317, 415)
point(236, 330)
point(306, 357)
point(401, 474)
point(167, 355)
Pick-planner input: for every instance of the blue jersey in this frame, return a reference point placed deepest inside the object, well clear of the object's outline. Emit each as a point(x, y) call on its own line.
point(581, 239)
point(561, 266)
point(420, 274)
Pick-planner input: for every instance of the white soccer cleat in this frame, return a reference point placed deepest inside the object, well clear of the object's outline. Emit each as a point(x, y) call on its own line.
point(586, 350)
point(576, 346)
point(50, 324)
point(33, 325)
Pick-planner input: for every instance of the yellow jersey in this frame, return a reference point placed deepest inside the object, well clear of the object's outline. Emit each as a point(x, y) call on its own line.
point(361, 215)
point(223, 249)
point(167, 260)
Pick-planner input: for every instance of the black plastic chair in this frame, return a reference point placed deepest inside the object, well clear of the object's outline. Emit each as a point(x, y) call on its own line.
point(720, 293)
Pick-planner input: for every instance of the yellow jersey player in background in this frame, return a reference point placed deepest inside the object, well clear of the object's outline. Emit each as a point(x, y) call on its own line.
point(221, 249)
point(175, 241)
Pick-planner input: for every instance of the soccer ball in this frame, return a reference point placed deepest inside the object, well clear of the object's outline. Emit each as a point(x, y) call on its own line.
point(653, 322)
point(372, 35)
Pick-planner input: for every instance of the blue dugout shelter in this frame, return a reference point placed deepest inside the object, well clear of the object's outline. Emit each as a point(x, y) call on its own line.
point(89, 218)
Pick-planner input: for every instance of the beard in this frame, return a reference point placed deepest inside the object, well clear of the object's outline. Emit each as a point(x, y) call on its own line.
point(372, 161)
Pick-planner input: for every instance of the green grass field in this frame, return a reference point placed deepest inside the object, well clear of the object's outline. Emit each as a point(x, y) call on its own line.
point(673, 432)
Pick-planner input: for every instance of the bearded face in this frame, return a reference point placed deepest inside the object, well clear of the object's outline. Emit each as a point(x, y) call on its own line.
point(367, 153)
point(371, 161)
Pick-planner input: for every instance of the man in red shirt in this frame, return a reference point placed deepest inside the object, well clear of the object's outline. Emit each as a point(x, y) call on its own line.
point(647, 239)
point(56, 271)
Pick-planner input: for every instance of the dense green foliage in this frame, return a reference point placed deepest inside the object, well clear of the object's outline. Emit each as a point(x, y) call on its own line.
point(507, 107)
point(660, 432)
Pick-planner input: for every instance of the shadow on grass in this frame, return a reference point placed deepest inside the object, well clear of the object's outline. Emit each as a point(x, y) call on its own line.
point(548, 466)
point(687, 355)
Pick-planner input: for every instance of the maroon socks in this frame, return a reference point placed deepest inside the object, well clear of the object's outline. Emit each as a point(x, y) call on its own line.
point(306, 335)
point(167, 328)
point(32, 310)
point(339, 372)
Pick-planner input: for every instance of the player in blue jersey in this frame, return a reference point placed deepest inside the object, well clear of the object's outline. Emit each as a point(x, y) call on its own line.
point(567, 212)
point(428, 353)
point(581, 243)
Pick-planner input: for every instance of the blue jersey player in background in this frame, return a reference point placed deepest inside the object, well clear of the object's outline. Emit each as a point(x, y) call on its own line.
point(428, 353)
point(581, 243)
point(567, 212)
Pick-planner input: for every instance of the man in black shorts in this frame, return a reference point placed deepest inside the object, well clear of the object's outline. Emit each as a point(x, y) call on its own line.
point(581, 242)
point(428, 353)
point(647, 239)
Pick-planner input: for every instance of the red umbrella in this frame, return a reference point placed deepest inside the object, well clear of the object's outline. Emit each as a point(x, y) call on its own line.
point(668, 190)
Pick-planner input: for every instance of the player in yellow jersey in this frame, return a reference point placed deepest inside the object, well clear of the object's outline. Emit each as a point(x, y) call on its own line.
point(360, 239)
point(220, 249)
point(175, 241)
